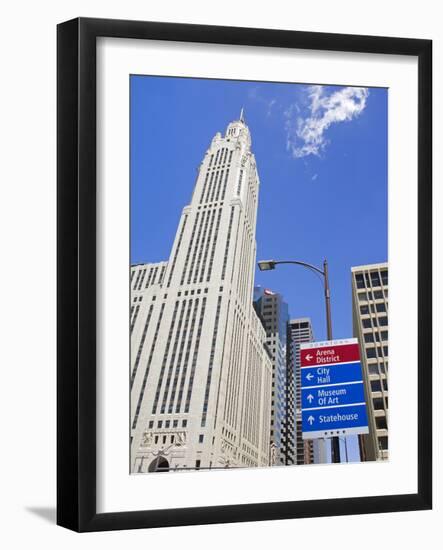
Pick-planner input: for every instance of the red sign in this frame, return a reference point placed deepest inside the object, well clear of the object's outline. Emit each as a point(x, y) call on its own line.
point(329, 355)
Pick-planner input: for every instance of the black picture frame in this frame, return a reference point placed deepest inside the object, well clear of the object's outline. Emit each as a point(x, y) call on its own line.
point(76, 265)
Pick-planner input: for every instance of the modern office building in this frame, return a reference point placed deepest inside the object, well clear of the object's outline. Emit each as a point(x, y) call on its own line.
point(370, 319)
point(200, 374)
point(299, 331)
point(273, 312)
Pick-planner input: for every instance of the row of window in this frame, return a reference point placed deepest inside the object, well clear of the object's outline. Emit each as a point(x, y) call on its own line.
point(177, 250)
point(378, 368)
point(211, 362)
point(379, 385)
point(168, 423)
point(381, 321)
point(151, 279)
point(374, 279)
point(228, 240)
point(201, 239)
point(372, 308)
point(148, 366)
point(142, 342)
point(373, 295)
point(375, 336)
point(177, 351)
point(377, 351)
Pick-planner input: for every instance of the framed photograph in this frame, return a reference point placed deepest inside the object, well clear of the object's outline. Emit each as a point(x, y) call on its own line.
point(244, 274)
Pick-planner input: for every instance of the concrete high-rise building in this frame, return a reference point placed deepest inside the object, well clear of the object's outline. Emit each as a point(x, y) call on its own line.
point(200, 374)
point(370, 319)
point(273, 311)
point(299, 331)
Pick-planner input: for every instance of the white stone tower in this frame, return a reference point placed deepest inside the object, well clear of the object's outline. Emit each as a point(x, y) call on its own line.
point(200, 375)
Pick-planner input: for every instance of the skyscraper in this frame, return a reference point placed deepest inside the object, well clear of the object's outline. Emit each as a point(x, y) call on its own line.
point(273, 311)
point(200, 374)
point(370, 319)
point(299, 331)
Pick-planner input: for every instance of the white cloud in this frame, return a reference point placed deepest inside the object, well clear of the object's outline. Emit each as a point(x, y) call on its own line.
point(305, 135)
point(271, 104)
point(256, 95)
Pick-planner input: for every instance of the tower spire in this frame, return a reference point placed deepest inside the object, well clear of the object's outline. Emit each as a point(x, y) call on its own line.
point(242, 118)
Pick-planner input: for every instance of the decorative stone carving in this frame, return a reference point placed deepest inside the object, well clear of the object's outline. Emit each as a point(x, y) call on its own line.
point(180, 439)
point(147, 439)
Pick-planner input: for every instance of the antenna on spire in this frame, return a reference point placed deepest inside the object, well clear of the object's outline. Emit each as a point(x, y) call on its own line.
point(242, 118)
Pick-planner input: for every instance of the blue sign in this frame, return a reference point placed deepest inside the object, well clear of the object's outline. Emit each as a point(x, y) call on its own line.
point(332, 389)
point(331, 374)
point(332, 396)
point(335, 420)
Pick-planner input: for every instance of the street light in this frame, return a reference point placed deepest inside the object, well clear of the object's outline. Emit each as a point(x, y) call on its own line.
point(267, 265)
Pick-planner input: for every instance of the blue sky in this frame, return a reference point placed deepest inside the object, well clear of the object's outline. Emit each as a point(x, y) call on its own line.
point(322, 160)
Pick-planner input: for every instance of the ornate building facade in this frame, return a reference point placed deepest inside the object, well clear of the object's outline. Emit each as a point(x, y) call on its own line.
point(200, 373)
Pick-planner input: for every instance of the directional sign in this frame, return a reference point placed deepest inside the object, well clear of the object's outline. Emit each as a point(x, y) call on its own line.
point(334, 374)
point(332, 396)
point(330, 422)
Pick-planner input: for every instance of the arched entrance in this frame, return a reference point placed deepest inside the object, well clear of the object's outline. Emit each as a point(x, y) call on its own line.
point(159, 464)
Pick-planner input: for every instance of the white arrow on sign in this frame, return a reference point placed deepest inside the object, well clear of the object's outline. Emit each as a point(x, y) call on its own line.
point(309, 357)
point(311, 420)
point(310, 398)
point(309, 376)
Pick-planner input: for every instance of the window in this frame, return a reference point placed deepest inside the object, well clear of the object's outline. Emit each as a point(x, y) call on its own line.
point(384, 277)
point(160, 424)
point(364, 310)
point(375, 385)
point(369, 337)
point(378, 404)
point(201, 438)
point(175, 423)
point(375, 279)
point(380, 422)
point(380, 307)
point(383, 321)
point(384, 335)
point(373, 368)
point(370, 353)
point(378, 294)
point(366, 323)
point(184, 423)
point(151, 424)
point(197, 464)
point(167, 423)
point(383, 443)
point(359, 280)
